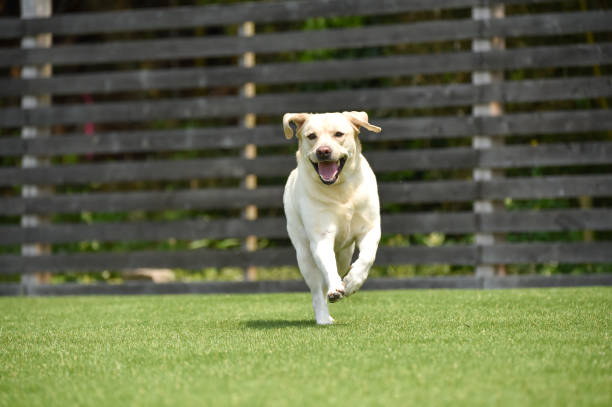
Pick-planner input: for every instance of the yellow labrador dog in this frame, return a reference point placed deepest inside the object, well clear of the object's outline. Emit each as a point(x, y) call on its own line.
point(331, 204)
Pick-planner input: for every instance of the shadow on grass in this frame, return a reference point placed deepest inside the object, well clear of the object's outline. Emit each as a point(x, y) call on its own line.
point(279, 323)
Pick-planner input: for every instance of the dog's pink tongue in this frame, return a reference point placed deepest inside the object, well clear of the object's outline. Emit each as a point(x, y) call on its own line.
point(328, 169)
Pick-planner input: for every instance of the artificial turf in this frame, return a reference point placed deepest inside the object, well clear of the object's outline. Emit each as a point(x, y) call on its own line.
point(539, 347)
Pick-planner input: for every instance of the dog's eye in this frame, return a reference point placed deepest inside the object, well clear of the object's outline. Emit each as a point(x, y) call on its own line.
point(311, 136)
point(339, 134)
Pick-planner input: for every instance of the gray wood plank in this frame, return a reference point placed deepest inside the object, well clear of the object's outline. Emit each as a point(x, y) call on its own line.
point(146, 231)
point(215, 15)
point(546, 220)
point(148, 288)
point(191, 259)
point(523, 25)
point(361, 99)
point(258, 287)
point(558, 280)
point(149, 170)
point(271, 197)
point(547, 187)
point(361, 68)
point(510, 221)
point(277, 165)
point(405, 223)
point(191, 199)
point(558, 122)
point(517, 187)
point(537, 253)
point(543, 155)
point(196, 259)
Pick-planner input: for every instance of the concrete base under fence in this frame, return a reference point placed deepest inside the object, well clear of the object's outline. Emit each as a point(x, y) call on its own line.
point(253, 287)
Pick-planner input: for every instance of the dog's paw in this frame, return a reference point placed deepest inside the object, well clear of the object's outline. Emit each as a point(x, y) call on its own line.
point(326, 321)
point(352, 283)
point(335, 294)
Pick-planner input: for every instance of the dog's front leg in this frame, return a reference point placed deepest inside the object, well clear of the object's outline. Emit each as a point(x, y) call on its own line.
point(358, 273)
point(323, 253)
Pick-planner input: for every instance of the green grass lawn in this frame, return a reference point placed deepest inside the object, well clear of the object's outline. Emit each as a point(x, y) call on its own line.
point(534, 347)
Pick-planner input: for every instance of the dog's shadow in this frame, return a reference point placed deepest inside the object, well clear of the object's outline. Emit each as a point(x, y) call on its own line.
point(279, 323)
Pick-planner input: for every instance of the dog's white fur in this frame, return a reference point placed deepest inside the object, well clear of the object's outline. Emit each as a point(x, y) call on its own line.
point(326, 221)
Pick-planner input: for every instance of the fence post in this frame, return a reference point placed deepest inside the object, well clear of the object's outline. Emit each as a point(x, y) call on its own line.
point(247, 60)
point(34, 9)
point(483, 141)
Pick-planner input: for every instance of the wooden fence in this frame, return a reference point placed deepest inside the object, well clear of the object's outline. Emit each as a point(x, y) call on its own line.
point(144, 121)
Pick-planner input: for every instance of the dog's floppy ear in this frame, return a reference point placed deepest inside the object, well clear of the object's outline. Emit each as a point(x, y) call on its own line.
point(360, 119)
point(296, 118)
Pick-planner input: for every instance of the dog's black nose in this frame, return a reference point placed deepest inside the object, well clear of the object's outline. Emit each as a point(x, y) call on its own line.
point(324, 153)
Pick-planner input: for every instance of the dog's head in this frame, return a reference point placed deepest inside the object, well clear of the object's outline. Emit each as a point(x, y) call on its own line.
point(328, 141)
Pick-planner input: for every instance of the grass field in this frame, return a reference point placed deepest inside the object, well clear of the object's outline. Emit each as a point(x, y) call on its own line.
point(546, 347)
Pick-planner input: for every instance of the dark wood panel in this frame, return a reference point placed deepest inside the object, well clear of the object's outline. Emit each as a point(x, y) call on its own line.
point(518, 188)
point(257, 287)
point(546, 220)
point(406, 223)
point(361, 99)
point(511, 221)
point(362, 68)
point(196, 259)
point(539, 253)
point(232, 137)
point(145, 231)
point(381, 162)
point(192, 259)
point(543, 155)
point(214, 15)
point(547, 187)
point(210, 198)
point(536, 253)
point(393, 129)
point(179, 139)
point(557, 280)
point(181, 48)
point(149, 170)
point(553, 154)
point(271, 197)
point(149, 288)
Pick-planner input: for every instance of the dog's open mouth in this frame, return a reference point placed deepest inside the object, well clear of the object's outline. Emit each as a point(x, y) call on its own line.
point(329, 170)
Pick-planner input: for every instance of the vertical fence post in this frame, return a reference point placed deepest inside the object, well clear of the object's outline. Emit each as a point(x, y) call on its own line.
point(247, 60)
point(483, 141)
point(34, 9)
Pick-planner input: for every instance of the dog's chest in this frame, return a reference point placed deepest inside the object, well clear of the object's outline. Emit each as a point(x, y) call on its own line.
point(351, 225)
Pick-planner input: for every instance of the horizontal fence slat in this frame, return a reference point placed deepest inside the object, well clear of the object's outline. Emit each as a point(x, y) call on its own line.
point(214, 15)
point(202, 258)
point(146, 231)
point(362, 68)
point(381, 162)
point(276, 286)
point(518, 188)
point(408, 223)
point(524, 25)
point(188, 259)
point(510, 221)
point(361, 99)
point(149, 170)
point(210, 198)
point(233, 137)
point(586, 153)
point(538, 253)
point(271, 197)
point(547, 220)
